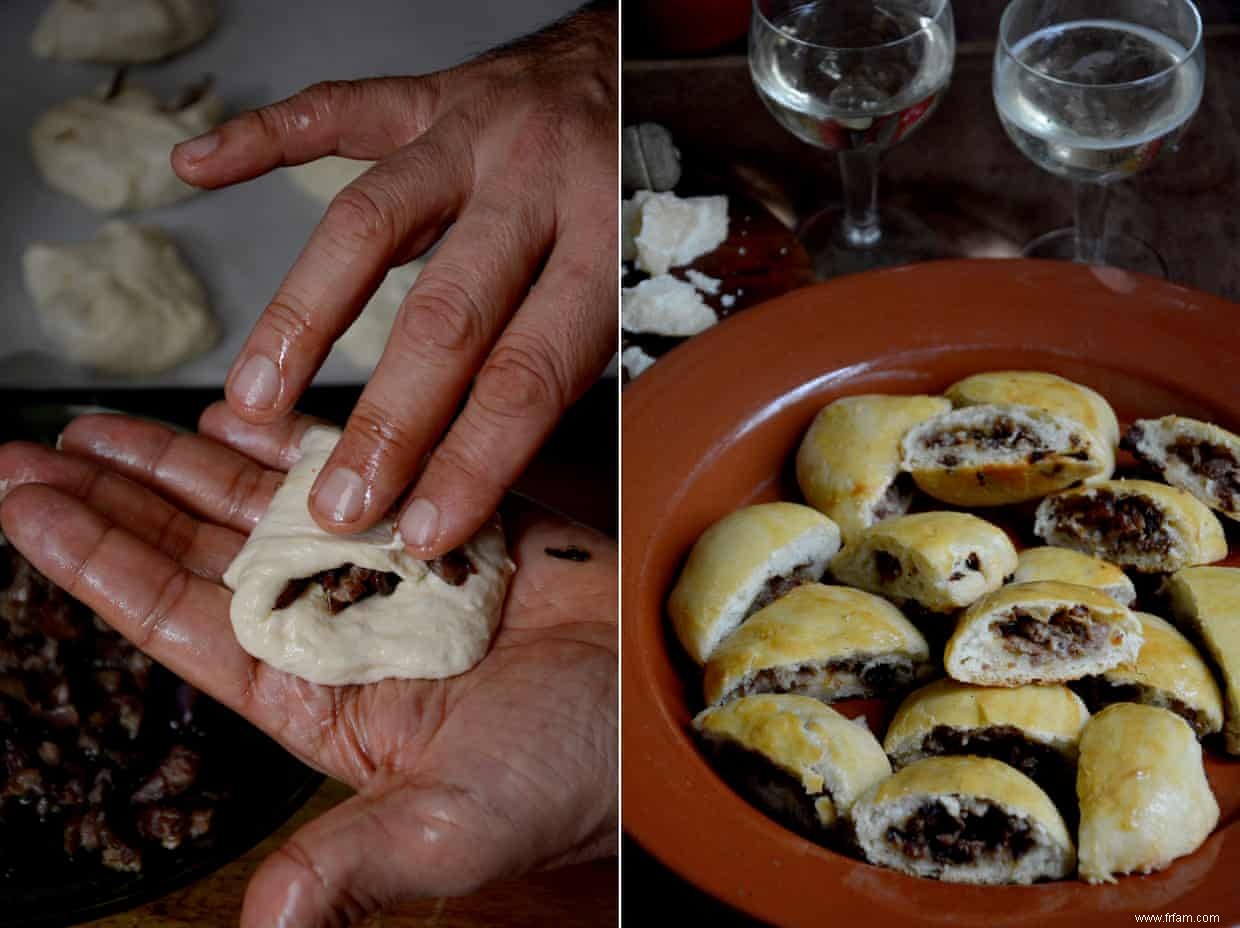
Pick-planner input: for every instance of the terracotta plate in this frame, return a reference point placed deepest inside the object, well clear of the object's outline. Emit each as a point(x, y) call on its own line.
point(715, 425)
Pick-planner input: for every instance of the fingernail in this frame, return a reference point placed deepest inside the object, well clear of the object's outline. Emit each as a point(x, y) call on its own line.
point(257, 383)
point(341, 496)
point(198, 148)
point(420, 523)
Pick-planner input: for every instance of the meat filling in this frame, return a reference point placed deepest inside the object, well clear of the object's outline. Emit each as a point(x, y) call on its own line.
point(1099, 692)
point(1214, 463)
point(772, 789)
point(1067, 634)
point(1124, 523)
point(874, 678)
point(453, 568)
point(895, 499)
point(1040, 762)
point(345, 586)
point(782, 585)
point(979, 828)
point(887, 566)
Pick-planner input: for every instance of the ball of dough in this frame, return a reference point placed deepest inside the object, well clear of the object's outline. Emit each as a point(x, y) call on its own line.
point(121, 31)
point(365, 339)
point(112, 153)
point(124, 303)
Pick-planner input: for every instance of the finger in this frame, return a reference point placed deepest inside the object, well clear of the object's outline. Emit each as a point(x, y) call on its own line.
point(195, 473)
point(451, 317)
point(357, 119)
point(394, 211)
point(177, 618)
point(276, 445)
point(367, 854)
point(205, 549)
point(555, 347)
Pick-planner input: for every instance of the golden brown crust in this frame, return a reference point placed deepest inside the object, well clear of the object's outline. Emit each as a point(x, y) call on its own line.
point(1068, 566)
point(1206, 602)
point(1143, 792)
point(851, 453)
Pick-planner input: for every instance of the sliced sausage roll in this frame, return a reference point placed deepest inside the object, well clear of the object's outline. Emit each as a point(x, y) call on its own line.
point(828, 642)
point(964, 820)
point(1192, 455)
point(1143, 792)
point(1134, 523)
point(1044, 632)
point(743, 562)
point(1032, 728)
point(848, 465)
point(1001, 453)
point(939, 560)
point(1068, 566)
point(1168, 673)
point(800, 761)
point(1045, 391)
point(1205, 601)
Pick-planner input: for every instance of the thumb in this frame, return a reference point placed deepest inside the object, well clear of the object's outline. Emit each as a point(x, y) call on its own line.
point(366, 854)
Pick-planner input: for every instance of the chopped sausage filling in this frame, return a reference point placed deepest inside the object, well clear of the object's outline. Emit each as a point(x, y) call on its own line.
point(453, 568)
point(1040, 762)
point(1068, 633)
point(781, 585)
point(1118, 523)
point(770, 788)
point(1099, 692)
point(978, 828)
point(345, 586)
point(895, 499)
point(1214, 463)
point(887, 566)
point(876, 678)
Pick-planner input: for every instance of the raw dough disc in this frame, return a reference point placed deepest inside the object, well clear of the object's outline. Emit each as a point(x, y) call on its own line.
point(121, 31)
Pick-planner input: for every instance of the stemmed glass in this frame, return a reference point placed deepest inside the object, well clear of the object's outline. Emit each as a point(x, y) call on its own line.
point(1094, 91)
point(853, 77)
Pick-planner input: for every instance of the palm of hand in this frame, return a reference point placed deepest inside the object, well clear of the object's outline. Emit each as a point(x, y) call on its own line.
point(509, 766)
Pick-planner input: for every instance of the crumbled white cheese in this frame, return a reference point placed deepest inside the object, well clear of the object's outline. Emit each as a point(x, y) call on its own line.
point(674, 231)
point(742, 250)
point(703, 282)
point(728, 300)
point(631, 223)
point(636, 362)
point(663, 305)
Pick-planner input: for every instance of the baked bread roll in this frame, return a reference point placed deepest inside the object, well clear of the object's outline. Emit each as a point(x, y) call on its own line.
point(848, 465)
point(743, 562)
point(1205, 601)
point(939, 560)
point(1134, 523)
point(1001, 453)
point(1044, 632)
point(1034, 729)
point(1045, 391)
point(1195, 456)
point(964, 820)
point(797, 759)
point(1168, 673)
point(1068, 566)
point(1143, 792)
point(828, 642)
point(339, 609)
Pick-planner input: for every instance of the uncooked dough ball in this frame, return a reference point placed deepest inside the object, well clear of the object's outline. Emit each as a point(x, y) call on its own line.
point(365, 339)
point(337, 609)
point(121, 31)
point(112, 152)
point(124, 303)
point(326, 177)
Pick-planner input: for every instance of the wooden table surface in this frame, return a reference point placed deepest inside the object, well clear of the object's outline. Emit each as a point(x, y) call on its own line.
point(963, 175)
point(575, 474)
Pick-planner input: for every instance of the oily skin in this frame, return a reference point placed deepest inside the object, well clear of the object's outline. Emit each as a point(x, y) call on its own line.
point(507, 768)
point(515, 314)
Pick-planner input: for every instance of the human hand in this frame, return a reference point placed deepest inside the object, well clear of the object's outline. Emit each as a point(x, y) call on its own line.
point(508, 767)
point(516, 311)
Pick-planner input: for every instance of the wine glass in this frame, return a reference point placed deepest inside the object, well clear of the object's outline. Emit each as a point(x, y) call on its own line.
point(854, 77)
point(1094, 91)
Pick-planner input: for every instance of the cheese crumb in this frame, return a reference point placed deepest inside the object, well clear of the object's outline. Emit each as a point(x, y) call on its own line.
point(631, 223)
point(703, 282)
point(674, 231)
point(663, 305)
point(636, 362)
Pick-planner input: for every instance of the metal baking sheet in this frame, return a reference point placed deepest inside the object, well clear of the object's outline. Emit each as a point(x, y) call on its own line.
point(240, 240)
